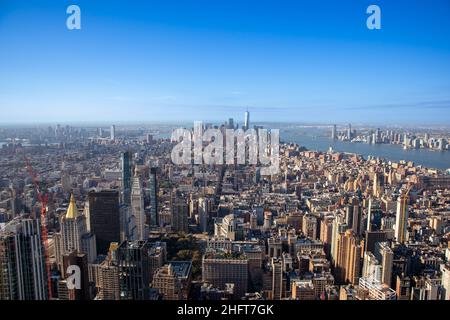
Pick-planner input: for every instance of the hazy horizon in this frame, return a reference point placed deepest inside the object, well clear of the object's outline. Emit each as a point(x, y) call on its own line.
point(119, 123)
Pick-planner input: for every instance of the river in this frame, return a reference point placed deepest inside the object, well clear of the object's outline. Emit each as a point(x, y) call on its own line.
point(314, 139)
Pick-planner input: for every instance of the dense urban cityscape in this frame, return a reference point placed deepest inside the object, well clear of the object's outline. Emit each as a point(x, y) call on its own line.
point(409, 140)
point(110, 204)
point(207, 159)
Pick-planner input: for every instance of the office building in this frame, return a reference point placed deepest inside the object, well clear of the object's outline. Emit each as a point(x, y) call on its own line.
point(105, 276)
point(157, 256)
point(372, 237)
point(113, 132)
point(137, 208)
point(203, 213)
point(302, 290)
point(246, 120)
point(23, 273)
point(371, 267)
point(401, 218)
point(153, 186)
point(334, 132)
point(403, 287)
point(230, 123)
point(74, 258)
point(347, 265)
point(220, 269)
point(277, 279)
point(104, 218)
point(180, 212)
point(274, 247)
point(426, 288)
point(326, 233)
point(445, 270)
point(173, 280)
point(126, 167)
point(309, 226)
point(229, 227)
point(385, 256)
point(133, 266)
point(357, 225)
point(74, 235)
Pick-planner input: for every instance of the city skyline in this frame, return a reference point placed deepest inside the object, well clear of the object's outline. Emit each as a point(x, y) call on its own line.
point(226, 157)
point(164, 61)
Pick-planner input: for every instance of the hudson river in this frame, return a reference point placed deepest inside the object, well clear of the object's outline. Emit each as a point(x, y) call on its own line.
point(315, 140)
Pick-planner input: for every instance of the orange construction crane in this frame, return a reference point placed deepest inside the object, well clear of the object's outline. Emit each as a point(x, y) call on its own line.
point(43, 199)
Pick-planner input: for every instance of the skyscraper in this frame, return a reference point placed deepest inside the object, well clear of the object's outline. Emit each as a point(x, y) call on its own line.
point(376, 185)
point(74, 235)
point(104, 218)
point(334, 132)
point(401, 219)
point(230, 123)
point(137, 207)
point(326, 233)
point(445, 270)
point(385, 256)
point(349, 214)
point(348, 260)
point(337, 227)
point(277, 278)
point(377, 136)
point(134, 275)
point(349, 131)
point(180, 212)
point(153, 185)
point(113, 132)
point(403, 287)
point(23, 274)
point(75, 258)
point(371, 267)
point(106, 276)
point(126, 159)
point(369, 215)
point(203, 212)
point(246, 120)
point(357, 216)
point(372, 237)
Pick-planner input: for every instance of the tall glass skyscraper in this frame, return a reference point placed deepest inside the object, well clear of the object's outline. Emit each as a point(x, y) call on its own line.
point(113, 132)
point(23, 274)
point(153, 186)
point(134, 273)
point(126, 176)
point(334, 132)
point(247, 120)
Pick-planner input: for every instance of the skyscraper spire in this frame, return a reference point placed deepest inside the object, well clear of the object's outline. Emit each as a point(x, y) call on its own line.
point(72, 211)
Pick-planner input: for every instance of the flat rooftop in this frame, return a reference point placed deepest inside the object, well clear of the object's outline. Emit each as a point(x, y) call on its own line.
point(181, 268)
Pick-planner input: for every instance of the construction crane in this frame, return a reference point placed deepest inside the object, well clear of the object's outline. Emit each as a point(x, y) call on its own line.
point(43, 199)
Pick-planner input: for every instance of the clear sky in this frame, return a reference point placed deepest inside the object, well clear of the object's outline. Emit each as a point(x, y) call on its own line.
point(303, 61)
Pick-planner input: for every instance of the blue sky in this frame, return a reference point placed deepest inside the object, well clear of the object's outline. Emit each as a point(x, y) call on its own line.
point(303, 61)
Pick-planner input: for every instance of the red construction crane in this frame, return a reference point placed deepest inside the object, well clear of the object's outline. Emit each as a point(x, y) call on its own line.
point(43, 199)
